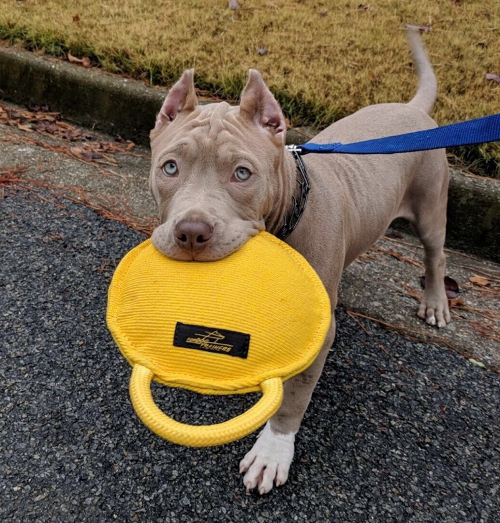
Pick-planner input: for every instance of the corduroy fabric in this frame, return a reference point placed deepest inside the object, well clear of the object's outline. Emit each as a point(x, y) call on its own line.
point(265, 289)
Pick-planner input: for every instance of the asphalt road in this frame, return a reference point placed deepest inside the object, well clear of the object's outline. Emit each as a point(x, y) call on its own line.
point(397, 430)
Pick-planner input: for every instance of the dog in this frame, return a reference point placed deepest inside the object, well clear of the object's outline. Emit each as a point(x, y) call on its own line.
point(221, 173)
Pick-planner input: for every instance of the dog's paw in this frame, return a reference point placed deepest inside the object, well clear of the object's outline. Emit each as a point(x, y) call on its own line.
point(435, 312)
point(269, 460)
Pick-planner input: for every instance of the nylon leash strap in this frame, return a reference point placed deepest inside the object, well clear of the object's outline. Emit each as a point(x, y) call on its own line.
point(480, 130)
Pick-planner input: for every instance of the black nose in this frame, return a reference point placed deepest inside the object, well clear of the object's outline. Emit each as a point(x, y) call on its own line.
point(193, 235)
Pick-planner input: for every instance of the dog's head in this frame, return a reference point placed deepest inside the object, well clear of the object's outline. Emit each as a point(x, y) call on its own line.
point(215, 172)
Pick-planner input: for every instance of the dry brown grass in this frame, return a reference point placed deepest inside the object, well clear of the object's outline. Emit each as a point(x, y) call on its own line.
point(323, 59)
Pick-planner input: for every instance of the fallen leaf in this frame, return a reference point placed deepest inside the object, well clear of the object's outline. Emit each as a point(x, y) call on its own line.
point(85, 154)
point(478, 363)
point(72, 136)
point(76, 19)
point(43, 127)
point(88, 156)
point(479, 280)
point(495, 77)
point(74, 59)
point(455, 303)
point(77, 151)
point(26, 128)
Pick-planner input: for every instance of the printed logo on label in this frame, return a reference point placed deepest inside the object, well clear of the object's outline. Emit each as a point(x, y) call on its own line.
point(210, 339)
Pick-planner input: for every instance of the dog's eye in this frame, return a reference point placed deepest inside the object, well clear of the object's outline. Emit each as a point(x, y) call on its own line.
point(241, 174)
point(170, 169)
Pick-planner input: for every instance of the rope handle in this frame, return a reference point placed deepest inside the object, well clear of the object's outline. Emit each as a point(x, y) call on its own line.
point(201, 435)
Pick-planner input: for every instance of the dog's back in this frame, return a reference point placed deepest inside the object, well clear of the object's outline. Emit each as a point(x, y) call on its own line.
point(369, 191)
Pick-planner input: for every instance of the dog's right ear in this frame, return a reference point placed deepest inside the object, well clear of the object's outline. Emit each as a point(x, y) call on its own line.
point(180, 98)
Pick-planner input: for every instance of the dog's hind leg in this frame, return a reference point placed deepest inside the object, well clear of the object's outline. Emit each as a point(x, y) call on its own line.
point(429, 222)
point(434, 306)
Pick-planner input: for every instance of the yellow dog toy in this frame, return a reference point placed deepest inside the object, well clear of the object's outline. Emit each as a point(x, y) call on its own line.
point(242, 324)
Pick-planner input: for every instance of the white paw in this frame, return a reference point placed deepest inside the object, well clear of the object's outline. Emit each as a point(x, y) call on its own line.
point(269, 460)
point(435, 312)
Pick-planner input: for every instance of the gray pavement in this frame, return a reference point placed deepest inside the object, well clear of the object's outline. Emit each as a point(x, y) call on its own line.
point(398, 431)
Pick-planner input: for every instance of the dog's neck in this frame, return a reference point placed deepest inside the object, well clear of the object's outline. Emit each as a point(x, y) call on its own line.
point(288, 191)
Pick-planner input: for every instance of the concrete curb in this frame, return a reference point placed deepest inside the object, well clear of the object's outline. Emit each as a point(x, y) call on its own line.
point(90, 97)
point(117, 105)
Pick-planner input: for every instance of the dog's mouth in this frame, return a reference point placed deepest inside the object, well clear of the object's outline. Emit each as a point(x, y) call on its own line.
point(195, 240)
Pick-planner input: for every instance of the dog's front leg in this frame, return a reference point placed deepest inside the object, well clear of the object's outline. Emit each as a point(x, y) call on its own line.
point(269, 460)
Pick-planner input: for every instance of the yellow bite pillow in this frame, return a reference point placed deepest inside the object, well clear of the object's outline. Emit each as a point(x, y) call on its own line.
point(242, 324)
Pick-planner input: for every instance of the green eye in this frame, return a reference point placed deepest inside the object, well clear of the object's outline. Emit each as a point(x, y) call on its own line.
point(242, 174)
point(170, 168)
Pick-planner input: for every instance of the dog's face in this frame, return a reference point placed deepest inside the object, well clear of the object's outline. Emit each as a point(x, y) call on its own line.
point(215, 170)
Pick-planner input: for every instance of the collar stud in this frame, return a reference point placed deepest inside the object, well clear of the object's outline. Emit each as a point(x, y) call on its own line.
point(291, 220)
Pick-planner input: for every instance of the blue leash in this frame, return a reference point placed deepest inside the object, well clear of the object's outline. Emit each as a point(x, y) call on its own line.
point(480, 130)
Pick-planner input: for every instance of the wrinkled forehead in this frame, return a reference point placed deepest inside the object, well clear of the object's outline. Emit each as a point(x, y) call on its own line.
point(220, 117)
point(216, 133)
point(207, 122)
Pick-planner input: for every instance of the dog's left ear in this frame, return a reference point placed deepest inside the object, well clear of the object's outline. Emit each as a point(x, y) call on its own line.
point(182, 97)
point(259, 105)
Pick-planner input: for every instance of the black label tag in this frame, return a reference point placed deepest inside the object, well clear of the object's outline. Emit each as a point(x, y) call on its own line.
point(211, 339)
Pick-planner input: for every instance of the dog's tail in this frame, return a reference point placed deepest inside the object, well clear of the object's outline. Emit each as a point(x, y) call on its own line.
point(427, 83)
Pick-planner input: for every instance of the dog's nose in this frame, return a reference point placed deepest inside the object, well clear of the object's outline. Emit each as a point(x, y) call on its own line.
point(193, 235)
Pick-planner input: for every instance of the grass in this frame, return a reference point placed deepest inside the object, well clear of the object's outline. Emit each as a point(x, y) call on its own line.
point(323, 59)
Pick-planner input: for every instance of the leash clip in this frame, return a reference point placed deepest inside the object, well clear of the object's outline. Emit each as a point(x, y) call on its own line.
point(294, 148)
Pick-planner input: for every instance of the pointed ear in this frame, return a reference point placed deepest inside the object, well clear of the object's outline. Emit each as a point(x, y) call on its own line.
point(181, 97)
point(258, 104)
